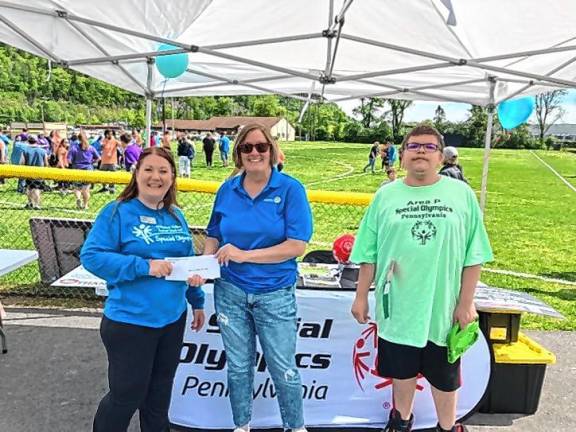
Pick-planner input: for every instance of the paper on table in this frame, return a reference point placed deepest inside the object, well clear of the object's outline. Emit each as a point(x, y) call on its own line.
point(205, 266)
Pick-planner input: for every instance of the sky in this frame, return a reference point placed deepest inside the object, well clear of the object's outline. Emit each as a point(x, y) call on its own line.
point(458, 111)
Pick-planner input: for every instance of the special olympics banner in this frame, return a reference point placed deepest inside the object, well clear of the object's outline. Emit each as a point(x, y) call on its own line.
point(336, 359)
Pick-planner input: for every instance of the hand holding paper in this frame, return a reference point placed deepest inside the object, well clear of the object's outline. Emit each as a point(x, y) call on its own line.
point(205, 266)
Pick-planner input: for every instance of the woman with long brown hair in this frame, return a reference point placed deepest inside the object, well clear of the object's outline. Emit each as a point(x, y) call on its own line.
point(145, 314)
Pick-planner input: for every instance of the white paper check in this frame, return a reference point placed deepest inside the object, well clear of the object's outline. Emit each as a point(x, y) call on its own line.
point(205, 266)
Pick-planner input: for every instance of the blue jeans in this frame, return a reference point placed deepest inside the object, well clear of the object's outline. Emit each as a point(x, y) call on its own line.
point(271, 316)
point(370, 165)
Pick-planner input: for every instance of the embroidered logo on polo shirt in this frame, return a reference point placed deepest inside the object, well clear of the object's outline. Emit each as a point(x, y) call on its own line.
point(275, 200)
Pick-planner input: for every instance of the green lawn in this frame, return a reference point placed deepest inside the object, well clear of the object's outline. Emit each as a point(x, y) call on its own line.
point(530, 215)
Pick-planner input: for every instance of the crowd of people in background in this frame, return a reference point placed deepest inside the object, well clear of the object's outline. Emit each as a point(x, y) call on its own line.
point(389, 156)
point(108, 151)
point(113, 150)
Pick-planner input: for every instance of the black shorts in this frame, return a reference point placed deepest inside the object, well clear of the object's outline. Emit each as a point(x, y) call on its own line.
point(404, 362)
point(35, 184)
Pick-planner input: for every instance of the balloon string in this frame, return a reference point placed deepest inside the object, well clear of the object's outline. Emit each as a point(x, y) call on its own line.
point(164, 87)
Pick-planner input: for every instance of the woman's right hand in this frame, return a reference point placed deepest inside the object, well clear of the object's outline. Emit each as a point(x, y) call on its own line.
point(159, 268)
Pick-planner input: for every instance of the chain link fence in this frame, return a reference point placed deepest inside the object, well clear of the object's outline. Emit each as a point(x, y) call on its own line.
point(58, 228)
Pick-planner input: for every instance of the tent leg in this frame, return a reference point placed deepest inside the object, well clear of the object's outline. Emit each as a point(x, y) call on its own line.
point(487, 141)
point(148, 121)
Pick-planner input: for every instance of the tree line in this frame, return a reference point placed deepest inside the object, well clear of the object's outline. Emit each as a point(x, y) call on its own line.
point(32, 90)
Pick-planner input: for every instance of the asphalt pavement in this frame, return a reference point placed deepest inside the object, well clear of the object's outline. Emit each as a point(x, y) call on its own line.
point(55, 373)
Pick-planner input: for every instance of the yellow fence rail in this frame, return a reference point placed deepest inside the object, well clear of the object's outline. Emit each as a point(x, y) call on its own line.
point(334, 213)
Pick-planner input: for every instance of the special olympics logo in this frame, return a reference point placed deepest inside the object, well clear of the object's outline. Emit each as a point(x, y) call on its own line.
point(365, 360)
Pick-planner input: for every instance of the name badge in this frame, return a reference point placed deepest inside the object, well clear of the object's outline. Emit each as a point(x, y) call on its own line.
point(148, 220)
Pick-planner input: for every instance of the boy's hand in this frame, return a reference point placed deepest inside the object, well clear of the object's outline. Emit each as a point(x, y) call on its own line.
point(465, 313)
point(360, 310)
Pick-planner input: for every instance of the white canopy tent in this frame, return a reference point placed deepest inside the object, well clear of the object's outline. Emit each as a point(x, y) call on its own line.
point(478, 52)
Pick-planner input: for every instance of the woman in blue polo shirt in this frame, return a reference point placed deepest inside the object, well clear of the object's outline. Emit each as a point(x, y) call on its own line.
point(260, 223)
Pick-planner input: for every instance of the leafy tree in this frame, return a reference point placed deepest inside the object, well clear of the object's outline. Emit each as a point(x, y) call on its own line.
point(352, 131)
point(368, 110)
point(548, 110)
point(396, 114)
point(267, 106)
point(439, 121)
point(518, 138)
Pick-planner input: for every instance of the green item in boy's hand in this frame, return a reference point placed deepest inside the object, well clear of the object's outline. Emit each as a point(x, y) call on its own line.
point(459, 340)
point(386, 290)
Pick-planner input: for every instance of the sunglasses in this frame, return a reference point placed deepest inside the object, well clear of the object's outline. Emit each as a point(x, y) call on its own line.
point(260, 147)
point(428, 147)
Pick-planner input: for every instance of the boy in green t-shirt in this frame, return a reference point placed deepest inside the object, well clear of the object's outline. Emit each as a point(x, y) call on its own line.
point(423, 241)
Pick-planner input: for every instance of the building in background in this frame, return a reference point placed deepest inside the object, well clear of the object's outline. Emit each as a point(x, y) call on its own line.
point(39, 128)
point(280, 128)
point(564, 132)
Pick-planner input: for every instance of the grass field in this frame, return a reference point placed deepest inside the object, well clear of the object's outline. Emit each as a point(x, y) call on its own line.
point(530, 215)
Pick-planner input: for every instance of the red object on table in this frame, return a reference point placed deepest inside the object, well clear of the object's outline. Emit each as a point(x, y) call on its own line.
point(342, 248)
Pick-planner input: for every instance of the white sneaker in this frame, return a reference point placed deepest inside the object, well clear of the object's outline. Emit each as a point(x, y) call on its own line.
point(245, 428)
point(302, 429)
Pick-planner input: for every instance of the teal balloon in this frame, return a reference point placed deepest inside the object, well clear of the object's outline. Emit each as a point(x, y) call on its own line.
point(514, 112)
point(173, 65)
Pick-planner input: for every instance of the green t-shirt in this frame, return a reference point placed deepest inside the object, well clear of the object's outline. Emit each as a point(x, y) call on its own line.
point(432, 233)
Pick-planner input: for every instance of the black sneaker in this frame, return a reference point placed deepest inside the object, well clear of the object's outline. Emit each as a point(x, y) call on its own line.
point(458, 427)
point(396, 424)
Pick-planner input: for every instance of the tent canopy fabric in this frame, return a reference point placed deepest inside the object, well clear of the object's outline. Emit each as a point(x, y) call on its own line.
point(438, 50)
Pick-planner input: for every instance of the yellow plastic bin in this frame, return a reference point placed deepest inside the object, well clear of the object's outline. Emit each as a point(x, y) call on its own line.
point(517, 376)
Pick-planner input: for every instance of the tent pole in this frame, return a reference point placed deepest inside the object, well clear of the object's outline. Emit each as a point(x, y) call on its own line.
point(103, 51)
point(225, 81)
point(30, 39)
point(164, 129)
point(148, 120)
point(487, 141)
point(411, 90)
point(172, 100)
point(240, 83)
point(150, 61)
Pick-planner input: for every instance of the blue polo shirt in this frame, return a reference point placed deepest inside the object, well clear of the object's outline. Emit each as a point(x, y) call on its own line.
point(280, 212)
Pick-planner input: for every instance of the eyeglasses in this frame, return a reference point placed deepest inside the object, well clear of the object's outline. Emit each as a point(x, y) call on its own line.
point(428, 147)
point(260, 147)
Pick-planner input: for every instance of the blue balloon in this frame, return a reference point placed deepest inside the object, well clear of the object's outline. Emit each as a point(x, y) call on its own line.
point(514, 112)
point(173, 65)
